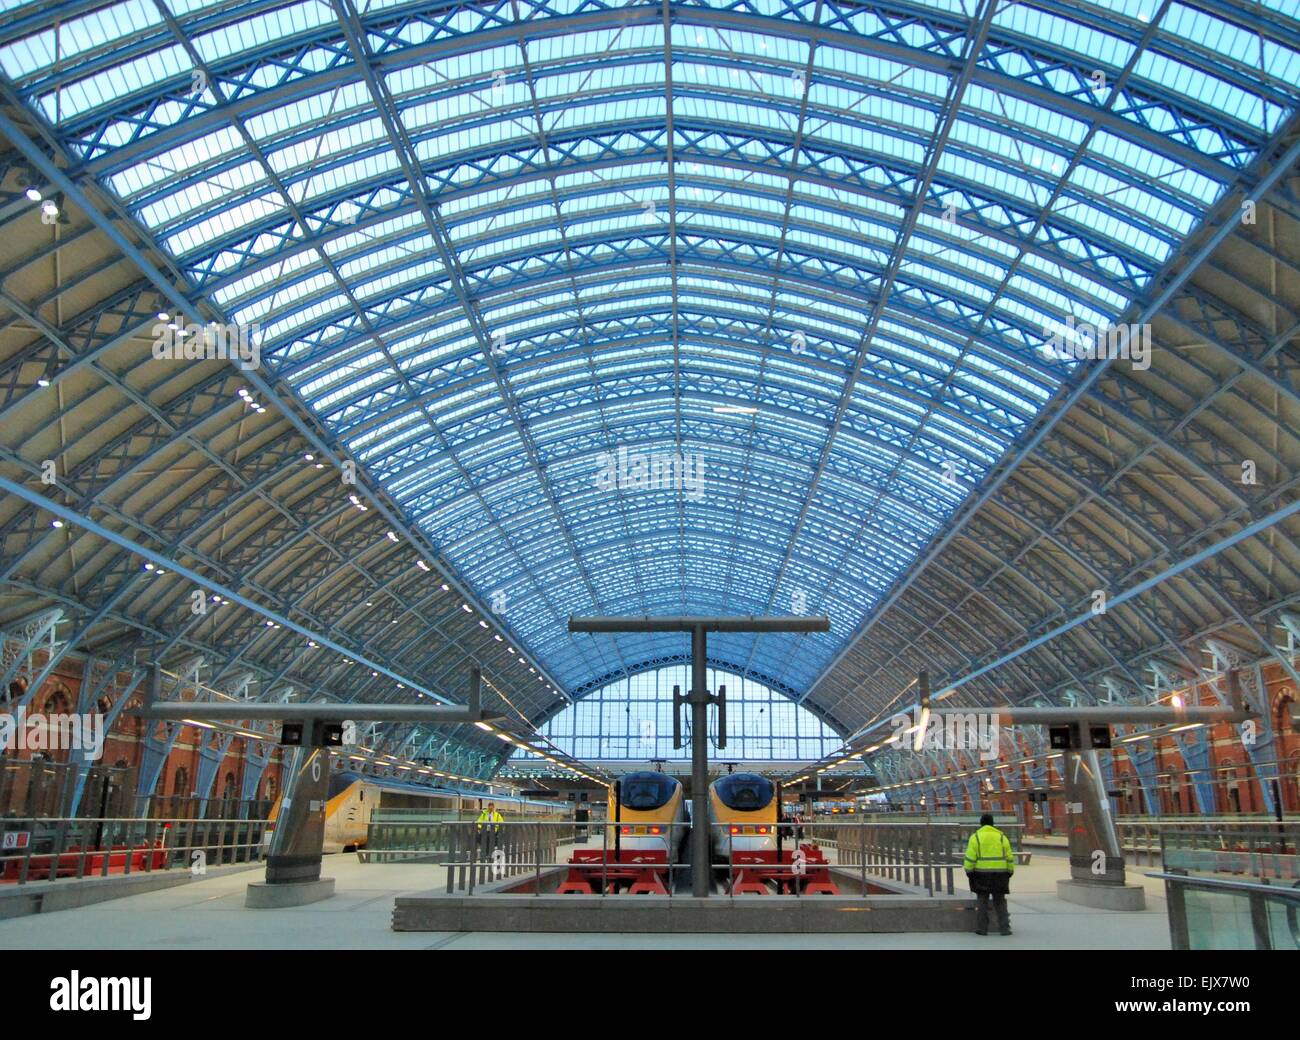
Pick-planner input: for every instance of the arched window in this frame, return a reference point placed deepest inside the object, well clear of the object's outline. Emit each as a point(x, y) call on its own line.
point(181, 782)
point(57, 703)
point(632, 719)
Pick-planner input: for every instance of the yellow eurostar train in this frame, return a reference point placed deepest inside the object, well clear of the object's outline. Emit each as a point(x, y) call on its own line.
point(352, 798)
point(744, 810)
point(647, 812)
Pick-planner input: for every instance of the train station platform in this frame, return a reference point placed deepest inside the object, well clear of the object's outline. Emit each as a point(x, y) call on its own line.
point(210, 914)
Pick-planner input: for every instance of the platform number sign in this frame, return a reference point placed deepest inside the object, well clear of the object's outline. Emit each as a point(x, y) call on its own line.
point(498, 864)
point(799, 862)
point(17, 839)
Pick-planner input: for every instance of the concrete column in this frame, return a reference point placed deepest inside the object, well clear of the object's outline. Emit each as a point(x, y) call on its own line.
point(1096, 858)
point(1095, 852)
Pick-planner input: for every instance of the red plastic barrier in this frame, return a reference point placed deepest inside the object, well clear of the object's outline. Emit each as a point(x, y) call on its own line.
point(756, 871)
point(646, 872)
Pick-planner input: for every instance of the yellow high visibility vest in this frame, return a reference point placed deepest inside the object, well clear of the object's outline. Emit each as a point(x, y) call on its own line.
point(989, 849)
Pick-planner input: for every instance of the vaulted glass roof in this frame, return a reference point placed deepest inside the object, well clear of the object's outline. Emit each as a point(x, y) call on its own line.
point(800, 260)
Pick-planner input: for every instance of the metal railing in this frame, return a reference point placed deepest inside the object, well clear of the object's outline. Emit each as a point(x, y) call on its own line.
point(1212, 913)
point(920, 855)
point(1269, 852)
point(49, 848)
point(923, 853)
point(416, 837)
point(1143, 838)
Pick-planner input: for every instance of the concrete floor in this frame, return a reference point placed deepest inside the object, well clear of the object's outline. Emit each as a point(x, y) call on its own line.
point(210, 914)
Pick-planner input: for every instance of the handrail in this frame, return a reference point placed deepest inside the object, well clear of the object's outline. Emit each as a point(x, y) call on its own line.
point(1201, 881)
point(1267, 929)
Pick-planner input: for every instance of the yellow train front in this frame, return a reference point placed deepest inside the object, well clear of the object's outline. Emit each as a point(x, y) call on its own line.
point(647, 813)
point(743, 812)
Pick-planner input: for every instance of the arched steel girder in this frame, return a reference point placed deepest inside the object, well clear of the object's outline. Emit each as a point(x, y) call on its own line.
point(929, 627)
point(247, 633)
point(645, 426)
point(405, 458)
point(972, 46)
point(402, 587)
point(223, 569)
point(768, 517)
point(300, 72)
point(747, 262)
point(615, 269)
point(369, 585)
point(268, 245)
point(1258, 353)
point(846, 275)
point(146, 635)
point(400, 145)
point(954, 612)
point(901, 381)
point(357, 121)
point(648, 539)
point(374, 406)
point(1017, 621)
point(852, 250)
point(85, 339)
point(1274, 347)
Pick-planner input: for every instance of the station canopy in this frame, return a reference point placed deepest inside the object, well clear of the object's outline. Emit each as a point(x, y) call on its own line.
point(664, 308)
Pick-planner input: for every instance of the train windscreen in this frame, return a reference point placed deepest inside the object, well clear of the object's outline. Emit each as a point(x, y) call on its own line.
point(340, 782)
point(646, 791)
point(745, 791)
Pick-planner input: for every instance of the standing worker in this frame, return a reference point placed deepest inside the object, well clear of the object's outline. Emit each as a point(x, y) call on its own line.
point(489, 827)
point(989, 865)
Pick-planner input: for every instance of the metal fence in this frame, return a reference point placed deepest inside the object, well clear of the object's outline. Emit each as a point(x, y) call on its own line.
point(924, 856)
point(1269, 852)
point(398, 837)
point(50, 848)
point(923, 853)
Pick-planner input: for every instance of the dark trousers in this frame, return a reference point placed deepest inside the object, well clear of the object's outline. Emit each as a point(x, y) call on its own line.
point(982, 911)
